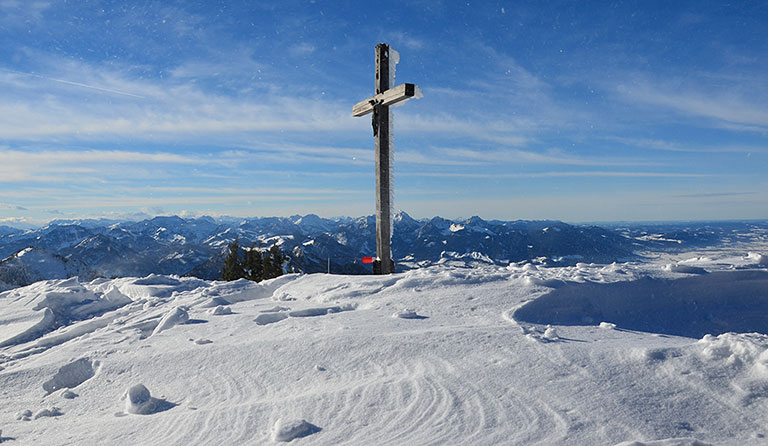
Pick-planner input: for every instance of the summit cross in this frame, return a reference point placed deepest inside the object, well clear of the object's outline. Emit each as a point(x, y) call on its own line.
point(382, 131)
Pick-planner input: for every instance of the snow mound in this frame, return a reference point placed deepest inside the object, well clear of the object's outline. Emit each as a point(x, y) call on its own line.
point(270, 318)
point(551, 334)
point(52, 411)
point(174, 317)
point(215, 302)
point(245, 290)
point(757, 259)
point(407, 313)
point(70, 375)
point(155, 279)
point(68, 394)
point(321, 311)
point(291, 430)
point(221, 310)
point(714, 303)
point(684, 269)
point(139, 401)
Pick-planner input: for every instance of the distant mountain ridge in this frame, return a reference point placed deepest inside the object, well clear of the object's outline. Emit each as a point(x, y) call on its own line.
point(195, 246)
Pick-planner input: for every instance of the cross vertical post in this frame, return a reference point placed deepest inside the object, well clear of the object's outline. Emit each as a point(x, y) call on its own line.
point(384, 263)
point(384, 96)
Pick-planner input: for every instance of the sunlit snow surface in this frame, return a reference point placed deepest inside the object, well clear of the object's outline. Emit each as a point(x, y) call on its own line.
point(522, 355)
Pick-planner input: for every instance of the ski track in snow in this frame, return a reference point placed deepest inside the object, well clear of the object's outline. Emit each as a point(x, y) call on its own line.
point(326, 350)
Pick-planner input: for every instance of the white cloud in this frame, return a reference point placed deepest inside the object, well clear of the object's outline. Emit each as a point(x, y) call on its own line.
point(405, 40)
point(560, 174)
point(302, 49)
point(11, 207)
point(77, 166)
point(553, 156)
point(726, 104)
point(674, 146)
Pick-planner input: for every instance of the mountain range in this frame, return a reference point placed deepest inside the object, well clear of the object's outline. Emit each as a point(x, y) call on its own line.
point(196, 246)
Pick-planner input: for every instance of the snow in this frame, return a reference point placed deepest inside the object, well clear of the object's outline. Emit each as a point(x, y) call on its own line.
point(139, 401)
point(757, 259)
point(288, 431)
point(622, 354)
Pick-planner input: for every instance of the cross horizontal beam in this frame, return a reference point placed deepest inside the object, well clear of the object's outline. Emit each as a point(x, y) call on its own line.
point(389, 97)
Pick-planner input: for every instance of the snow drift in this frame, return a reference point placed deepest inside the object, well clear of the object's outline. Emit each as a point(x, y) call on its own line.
point(481, 356)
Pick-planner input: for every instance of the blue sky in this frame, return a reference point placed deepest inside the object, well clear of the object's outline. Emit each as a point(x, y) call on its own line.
point(577, 111)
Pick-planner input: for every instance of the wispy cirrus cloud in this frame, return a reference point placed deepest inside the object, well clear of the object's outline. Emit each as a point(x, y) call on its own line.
point(77, 165)
point(729, 105)
point(562, 174)
point(552, 157)
point(11, 207)
point(688, 147)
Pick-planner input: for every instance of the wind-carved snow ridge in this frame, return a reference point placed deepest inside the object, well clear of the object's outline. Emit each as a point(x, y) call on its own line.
point(174, 317)
point(42, 307)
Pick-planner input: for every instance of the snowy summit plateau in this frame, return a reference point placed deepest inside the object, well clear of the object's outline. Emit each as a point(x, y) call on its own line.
point(666, 348)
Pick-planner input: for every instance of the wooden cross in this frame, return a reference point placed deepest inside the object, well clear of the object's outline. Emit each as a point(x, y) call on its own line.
point(379, 106)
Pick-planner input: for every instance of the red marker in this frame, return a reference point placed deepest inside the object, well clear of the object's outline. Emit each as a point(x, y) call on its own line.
point(367, 259)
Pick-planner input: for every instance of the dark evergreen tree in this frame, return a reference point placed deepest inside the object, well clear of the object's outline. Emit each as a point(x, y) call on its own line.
point(273, 263)
point(254, 264)
point(233, 265)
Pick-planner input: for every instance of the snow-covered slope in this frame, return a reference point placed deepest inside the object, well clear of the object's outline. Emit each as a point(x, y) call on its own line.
point(436, 356)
